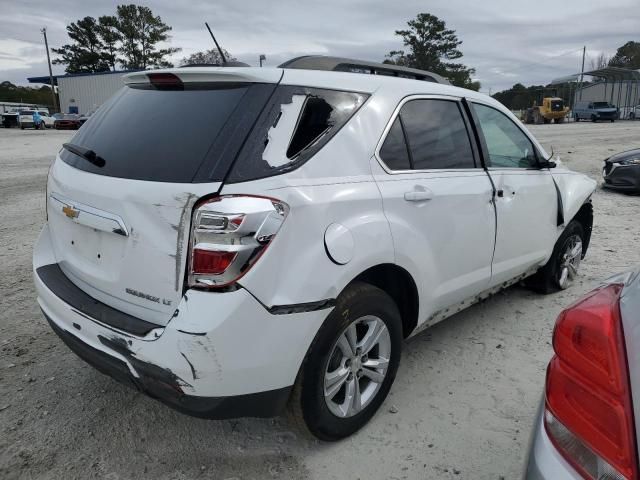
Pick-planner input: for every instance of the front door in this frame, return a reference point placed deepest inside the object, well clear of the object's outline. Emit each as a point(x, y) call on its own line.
point(526, 198)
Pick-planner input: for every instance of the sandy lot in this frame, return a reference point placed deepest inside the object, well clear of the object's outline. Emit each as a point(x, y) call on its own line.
point(464, 399)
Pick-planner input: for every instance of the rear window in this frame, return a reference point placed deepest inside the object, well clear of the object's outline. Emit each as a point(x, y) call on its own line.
point(157, 135)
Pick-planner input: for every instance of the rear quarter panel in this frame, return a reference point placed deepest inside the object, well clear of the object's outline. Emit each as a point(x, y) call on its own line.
point(334, 186)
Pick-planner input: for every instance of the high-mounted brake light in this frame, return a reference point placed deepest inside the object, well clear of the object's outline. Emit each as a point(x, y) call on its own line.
point(589, 414)
point(165, 80)
point(228, 236)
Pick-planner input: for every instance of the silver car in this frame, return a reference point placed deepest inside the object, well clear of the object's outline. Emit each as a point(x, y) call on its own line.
point(587, 422)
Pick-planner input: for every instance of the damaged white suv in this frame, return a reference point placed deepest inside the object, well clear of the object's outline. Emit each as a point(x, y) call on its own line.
point(278, 251)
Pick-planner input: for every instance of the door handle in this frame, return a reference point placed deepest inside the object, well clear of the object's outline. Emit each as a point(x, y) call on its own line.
point(418, 195)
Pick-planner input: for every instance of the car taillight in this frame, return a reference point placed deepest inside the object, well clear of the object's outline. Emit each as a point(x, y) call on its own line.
point(589, 414)
point(228, 236)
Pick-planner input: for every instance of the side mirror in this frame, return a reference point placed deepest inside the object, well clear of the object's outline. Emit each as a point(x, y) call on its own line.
point(547, 164)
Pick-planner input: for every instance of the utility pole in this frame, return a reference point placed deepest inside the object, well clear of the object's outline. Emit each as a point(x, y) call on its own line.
point(53, 88)
point(584, 52)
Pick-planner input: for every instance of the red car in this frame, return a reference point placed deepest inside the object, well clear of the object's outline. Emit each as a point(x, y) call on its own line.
point(68, 122)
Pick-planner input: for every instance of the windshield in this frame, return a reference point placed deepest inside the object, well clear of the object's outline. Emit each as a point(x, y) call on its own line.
point(601, 105)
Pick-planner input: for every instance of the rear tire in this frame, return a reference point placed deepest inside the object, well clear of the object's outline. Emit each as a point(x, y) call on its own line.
point(562, 268)
point(576, 117)
point(323, 399)
point(594, 119)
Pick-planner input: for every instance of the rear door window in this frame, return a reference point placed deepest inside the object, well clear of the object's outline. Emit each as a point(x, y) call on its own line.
point(160, 135)
point(394, 151)
point(435, 133)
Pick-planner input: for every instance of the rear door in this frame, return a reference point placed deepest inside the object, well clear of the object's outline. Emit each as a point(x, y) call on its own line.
point(437, 199)
point(526, 197)
point(120, 225)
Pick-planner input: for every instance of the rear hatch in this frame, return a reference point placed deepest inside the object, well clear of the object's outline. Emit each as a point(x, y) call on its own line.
point(120, 194)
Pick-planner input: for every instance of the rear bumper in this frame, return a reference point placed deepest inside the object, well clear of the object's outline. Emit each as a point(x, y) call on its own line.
point(222, 355)
point(545, 462)
point(163, 385)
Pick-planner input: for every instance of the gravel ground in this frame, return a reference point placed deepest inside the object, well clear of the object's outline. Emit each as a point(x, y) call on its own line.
point(461, 407)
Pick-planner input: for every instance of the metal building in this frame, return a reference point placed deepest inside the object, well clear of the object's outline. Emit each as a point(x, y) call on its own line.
point(618, 86)
point(84, 92)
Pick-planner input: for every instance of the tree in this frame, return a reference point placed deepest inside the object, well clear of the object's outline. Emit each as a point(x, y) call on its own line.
point(432, 47)
point(141, 31)
point(206, 57)
point(601, 61)
point(110, 36)
point(130, 38)
point(627, 56)
point(85, 54)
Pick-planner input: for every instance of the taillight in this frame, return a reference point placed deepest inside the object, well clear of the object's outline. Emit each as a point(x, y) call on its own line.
point(228, 236)
point(589, 414)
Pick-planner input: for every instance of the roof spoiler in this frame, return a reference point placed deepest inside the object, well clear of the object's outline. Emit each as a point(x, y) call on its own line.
point(201, 73)
point(338, 64)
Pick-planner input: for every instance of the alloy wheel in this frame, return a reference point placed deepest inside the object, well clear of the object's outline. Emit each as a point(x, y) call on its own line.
point(357, 366)
point(569, 261)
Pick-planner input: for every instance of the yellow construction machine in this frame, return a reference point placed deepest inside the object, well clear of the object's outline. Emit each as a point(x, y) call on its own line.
point(551, 110)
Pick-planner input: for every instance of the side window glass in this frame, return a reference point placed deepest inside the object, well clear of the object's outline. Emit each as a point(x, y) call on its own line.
point(437, 135)
point(508, 146)
point(394, 149)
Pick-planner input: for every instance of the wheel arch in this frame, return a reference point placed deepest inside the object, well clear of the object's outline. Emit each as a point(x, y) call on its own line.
point(585, 217)
point(400, 286)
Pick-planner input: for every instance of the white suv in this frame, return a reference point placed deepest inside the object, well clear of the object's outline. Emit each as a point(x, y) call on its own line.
point(280, 249)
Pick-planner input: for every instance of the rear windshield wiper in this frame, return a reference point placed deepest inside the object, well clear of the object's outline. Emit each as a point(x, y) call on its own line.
point(85, 153)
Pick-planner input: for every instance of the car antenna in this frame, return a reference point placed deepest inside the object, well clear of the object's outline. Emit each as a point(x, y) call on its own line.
point(550, 156)
point(224, 59)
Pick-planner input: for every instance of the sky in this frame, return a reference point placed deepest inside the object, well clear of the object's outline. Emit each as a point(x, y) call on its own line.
point(506, 41)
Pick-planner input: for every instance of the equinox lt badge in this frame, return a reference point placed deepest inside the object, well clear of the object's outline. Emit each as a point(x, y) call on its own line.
point(146, 296)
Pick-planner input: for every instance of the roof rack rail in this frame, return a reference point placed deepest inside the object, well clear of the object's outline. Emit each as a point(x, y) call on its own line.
point(338, 64)
point(230, 63)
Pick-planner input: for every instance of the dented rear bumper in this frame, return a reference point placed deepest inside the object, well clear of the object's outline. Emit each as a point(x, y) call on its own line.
point(222, 355)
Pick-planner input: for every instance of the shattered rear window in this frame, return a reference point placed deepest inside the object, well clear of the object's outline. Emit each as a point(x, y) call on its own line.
point(296, 123)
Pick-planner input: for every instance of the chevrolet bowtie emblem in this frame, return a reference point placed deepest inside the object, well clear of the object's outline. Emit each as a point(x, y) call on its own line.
point(70, 211)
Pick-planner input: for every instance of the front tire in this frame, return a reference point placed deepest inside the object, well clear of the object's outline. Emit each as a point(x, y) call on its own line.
point(350, 366)
point(562, 268)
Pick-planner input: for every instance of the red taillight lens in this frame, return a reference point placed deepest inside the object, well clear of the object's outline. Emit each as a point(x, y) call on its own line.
point(206, 262)
point(588, 400)
point(228, 236)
